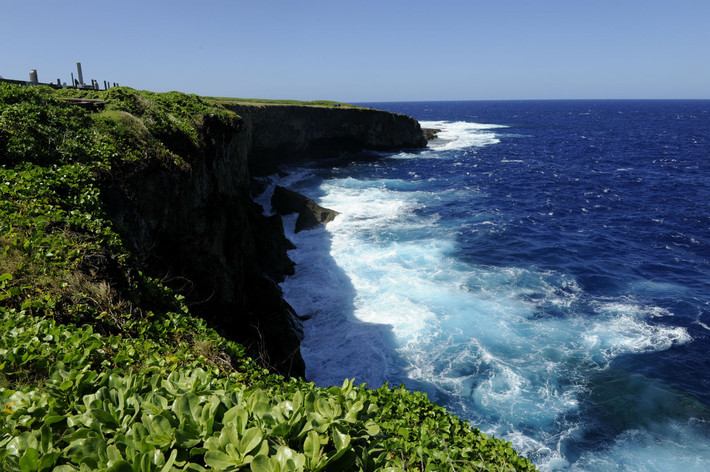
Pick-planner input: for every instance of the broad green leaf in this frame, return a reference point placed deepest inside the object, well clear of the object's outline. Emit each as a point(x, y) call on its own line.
point(372, 428)
point(251, 439)
point(264, 463)
point(185, 439)
point(29, 462)
point(68, 468)
point(340, 440)
point(52, 418)
point(160, 440)
point(104, 417)
point(46, 462)
point(234, 453)
point(113, 454)
point(94, 447)
point(188, 405)
point(237, 417)
point(45, 439)
point(214, 443)
point(229, 435)
point(256, 397)
point(218, 460)
point(157, 457)
point(308, 401)
point(311, 447)
point(324, 408)
point(297, 400)
point(160, 425)
point(285, 454)
point(261, 408)
point(353, 411)
point(281, 429)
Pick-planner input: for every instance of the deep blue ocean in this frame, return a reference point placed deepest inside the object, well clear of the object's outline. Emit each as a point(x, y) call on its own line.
point(542, 270)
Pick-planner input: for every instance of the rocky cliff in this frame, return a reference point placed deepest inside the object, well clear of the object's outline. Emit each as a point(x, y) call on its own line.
point(283, 134)
point(196, 227)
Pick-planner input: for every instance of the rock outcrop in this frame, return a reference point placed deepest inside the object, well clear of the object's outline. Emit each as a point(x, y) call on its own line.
point(430, 134)
point(290, 134)
point(310, 214)
point(196, 227)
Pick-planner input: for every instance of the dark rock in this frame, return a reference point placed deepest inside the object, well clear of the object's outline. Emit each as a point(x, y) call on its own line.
point(430, 133)
point(310, 214)
point(285, 201)
point(289, 134)
point(271, 244)
point(196, 228)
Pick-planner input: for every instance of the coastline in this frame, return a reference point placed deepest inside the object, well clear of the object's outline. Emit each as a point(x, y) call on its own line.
point(133, 258)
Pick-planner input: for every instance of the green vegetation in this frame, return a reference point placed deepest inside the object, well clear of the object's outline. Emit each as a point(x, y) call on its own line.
point(260, 101)
point(103, 368)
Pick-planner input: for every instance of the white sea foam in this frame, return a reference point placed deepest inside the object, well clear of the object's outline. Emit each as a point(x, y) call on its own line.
point(406, 311)
point(461, 134)
point(675, 446)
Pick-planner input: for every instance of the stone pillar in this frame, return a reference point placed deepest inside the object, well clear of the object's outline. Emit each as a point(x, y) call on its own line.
point(78, 70)
point(33, 76)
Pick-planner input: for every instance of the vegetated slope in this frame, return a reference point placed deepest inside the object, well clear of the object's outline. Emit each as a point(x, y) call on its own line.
point(104, 368)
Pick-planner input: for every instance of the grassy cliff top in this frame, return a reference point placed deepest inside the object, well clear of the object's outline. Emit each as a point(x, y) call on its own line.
point(105, 368)
point(226, 101)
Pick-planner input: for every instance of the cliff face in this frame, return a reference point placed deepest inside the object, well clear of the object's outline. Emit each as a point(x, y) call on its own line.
point(196, 227)
point(283, 134)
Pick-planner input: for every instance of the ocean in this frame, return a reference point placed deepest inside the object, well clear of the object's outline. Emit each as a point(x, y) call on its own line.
point(541, 269)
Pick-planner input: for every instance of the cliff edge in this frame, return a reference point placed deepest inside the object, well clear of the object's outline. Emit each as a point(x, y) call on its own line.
point(196, 227)
point(290, 134)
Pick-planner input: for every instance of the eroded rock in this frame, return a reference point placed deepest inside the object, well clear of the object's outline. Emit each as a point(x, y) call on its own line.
point(310, 214)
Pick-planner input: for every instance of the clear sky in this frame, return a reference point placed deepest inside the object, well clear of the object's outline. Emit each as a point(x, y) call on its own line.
point(368, 50)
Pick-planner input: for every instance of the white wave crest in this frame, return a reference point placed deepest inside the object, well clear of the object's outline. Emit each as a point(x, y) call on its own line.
point(455, 135)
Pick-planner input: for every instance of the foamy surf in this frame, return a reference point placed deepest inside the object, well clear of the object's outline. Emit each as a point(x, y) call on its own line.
point(387, 303)
point(461, 134)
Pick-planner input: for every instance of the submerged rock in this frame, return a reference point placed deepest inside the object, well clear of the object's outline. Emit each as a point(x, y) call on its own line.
point(310, 214)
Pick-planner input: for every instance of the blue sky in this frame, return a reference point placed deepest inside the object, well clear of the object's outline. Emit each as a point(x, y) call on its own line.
point(368, 50)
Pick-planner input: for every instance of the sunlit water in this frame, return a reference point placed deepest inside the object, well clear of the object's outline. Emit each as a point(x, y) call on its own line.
point(541, 270)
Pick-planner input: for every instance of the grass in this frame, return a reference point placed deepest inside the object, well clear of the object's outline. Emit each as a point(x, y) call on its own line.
point(226, 101)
